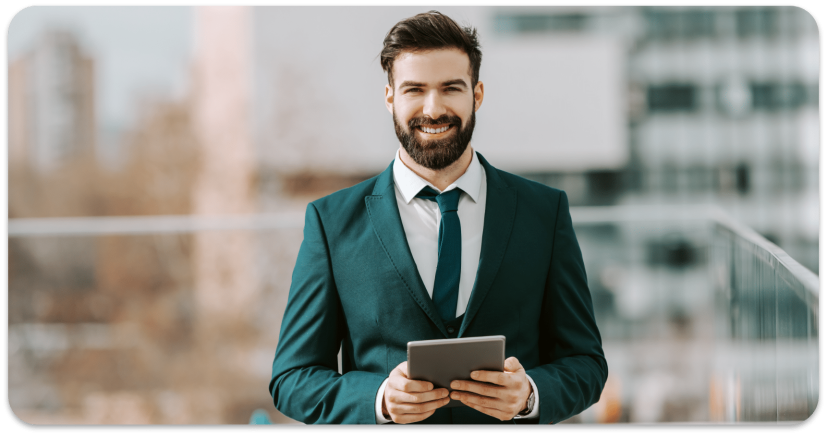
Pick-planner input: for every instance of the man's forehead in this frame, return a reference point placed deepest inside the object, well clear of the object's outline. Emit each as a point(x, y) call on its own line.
point(432, 66)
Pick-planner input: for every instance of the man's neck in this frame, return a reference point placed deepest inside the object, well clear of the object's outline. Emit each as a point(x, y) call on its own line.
point(440, 178)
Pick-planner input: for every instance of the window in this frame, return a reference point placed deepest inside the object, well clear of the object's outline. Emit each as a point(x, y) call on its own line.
point(756, 22)
point(742, 182)
point(776, 96)
point(686, 23)
point(671, 98)
point(534, 23)
point(672, 251)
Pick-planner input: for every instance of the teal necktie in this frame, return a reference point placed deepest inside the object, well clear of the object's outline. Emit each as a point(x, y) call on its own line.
point(446, 282)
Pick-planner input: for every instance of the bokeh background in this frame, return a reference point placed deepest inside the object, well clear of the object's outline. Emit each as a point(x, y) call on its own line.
point(161, 158)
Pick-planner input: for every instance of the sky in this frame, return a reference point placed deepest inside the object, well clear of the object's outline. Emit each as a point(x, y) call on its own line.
point(138, 51)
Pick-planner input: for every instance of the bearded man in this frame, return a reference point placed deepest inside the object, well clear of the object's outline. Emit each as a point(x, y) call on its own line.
point(439, 245)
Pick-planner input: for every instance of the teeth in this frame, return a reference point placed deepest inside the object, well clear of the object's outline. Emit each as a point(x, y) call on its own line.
point(430, 130)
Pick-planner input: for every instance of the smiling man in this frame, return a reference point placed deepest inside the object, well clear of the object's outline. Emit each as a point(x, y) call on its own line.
point(440, 245)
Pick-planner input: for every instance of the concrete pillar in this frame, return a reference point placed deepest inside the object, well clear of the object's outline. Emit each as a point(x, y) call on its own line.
point(224, 265)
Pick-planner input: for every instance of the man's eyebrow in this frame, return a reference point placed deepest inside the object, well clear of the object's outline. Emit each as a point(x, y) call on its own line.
point(453, 82)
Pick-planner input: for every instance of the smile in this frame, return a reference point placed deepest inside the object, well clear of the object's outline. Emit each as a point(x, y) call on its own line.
point(434, 130)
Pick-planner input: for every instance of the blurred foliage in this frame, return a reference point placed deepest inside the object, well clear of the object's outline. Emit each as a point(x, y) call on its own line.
point(156, 179)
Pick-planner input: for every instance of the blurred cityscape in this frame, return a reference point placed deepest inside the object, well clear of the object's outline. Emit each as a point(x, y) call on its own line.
point(656, 121)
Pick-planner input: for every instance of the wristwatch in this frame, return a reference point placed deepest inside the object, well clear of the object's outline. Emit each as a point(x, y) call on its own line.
point(529, 404)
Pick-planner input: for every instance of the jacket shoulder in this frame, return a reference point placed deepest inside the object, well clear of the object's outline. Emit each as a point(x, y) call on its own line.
point(530, 189)
point(346, 199)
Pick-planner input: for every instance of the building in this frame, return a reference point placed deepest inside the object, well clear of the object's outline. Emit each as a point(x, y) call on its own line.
point(51, 103)
point(722, 109)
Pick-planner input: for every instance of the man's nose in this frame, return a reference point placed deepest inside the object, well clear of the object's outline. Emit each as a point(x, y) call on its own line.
point(434, 106)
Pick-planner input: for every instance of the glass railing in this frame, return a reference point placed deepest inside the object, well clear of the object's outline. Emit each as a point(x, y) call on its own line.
point(703, 319)
point(174, 320)
point(771, 370)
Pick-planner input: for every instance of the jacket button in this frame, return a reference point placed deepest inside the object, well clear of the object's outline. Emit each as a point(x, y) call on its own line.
point(450, 329)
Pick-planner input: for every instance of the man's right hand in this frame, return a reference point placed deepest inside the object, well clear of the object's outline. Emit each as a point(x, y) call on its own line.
point(407, 400)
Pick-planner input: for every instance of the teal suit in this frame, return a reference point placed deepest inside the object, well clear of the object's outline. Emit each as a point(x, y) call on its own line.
point(356, 285)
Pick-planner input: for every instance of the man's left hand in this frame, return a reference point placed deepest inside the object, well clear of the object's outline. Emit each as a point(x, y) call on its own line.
point(502, 400)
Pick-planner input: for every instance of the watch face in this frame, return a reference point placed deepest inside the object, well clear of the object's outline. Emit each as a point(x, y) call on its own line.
point(529, 404)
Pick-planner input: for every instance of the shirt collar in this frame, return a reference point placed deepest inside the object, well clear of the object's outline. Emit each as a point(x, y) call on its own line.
point(409, 183)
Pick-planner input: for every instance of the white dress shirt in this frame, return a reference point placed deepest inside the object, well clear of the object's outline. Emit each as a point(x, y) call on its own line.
point(421, 218)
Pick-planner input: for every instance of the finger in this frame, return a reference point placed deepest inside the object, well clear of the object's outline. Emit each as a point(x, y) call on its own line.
point(415, 409)
point(512, 364)
point(479, 400)
point(398, 396)
point(484, 389)
point(405, 384)
point(499, 414)
point(496, 377)
point(409, 418)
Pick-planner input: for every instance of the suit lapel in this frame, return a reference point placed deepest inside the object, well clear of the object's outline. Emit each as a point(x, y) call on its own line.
point(500, 209)
point(387, 224)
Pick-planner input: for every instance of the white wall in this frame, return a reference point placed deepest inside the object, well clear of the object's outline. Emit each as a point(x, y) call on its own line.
point(551, 104)
point(554, 104)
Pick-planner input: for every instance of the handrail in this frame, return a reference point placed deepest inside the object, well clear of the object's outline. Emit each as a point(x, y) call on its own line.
point(581, 215)
point(808, 279)
point(151, 224)
point(108, 225)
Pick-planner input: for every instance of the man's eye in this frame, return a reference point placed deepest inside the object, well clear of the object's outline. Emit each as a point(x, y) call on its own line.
point(452, 89)
point(413, 90)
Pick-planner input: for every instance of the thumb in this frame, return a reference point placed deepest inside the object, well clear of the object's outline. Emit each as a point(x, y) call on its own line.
point(512, 364)
point(402, 368)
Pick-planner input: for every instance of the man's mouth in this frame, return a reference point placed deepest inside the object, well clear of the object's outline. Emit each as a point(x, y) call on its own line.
point(435, 129)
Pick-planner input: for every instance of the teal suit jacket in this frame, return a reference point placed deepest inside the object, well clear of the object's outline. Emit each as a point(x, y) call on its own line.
point(356, 285)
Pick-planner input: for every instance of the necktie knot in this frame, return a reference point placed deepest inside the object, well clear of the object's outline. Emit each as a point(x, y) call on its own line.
point(448, 201)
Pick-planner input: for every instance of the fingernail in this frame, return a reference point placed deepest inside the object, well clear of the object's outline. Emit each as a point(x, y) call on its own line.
point(475, 374)
point(430, 387)
point(455, 385)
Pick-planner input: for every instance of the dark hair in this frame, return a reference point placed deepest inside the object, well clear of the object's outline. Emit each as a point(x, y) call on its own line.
point(430, 31)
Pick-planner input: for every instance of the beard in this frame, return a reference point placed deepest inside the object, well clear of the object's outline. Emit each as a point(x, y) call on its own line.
point(435, 154)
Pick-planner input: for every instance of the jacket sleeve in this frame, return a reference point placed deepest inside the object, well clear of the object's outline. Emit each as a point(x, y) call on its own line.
point(573, 368)
point(306, 385)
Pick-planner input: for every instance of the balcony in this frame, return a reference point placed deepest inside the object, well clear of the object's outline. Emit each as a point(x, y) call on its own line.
point(175, 319)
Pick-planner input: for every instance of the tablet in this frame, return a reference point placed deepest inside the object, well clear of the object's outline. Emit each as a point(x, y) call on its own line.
point(442, 361)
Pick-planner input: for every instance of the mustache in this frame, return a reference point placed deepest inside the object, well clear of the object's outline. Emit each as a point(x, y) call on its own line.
point(428, 121)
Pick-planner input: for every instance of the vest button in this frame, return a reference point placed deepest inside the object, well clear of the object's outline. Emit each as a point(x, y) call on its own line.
point(450, 329)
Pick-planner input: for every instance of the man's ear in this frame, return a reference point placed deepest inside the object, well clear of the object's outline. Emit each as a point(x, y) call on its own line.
point(479, 91)
point(389, 98)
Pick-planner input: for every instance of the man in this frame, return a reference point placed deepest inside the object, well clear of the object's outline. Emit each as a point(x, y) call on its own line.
point(440, 245)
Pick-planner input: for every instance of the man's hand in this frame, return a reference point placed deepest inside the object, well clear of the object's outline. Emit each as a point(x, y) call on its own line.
point(503, 401)
point(407, 401)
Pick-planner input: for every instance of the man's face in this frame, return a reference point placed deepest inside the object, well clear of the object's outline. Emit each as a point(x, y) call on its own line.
point(433, 105)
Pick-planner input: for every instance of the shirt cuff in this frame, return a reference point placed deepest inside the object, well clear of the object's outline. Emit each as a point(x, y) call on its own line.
point(533, 413)
point(380, 419)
